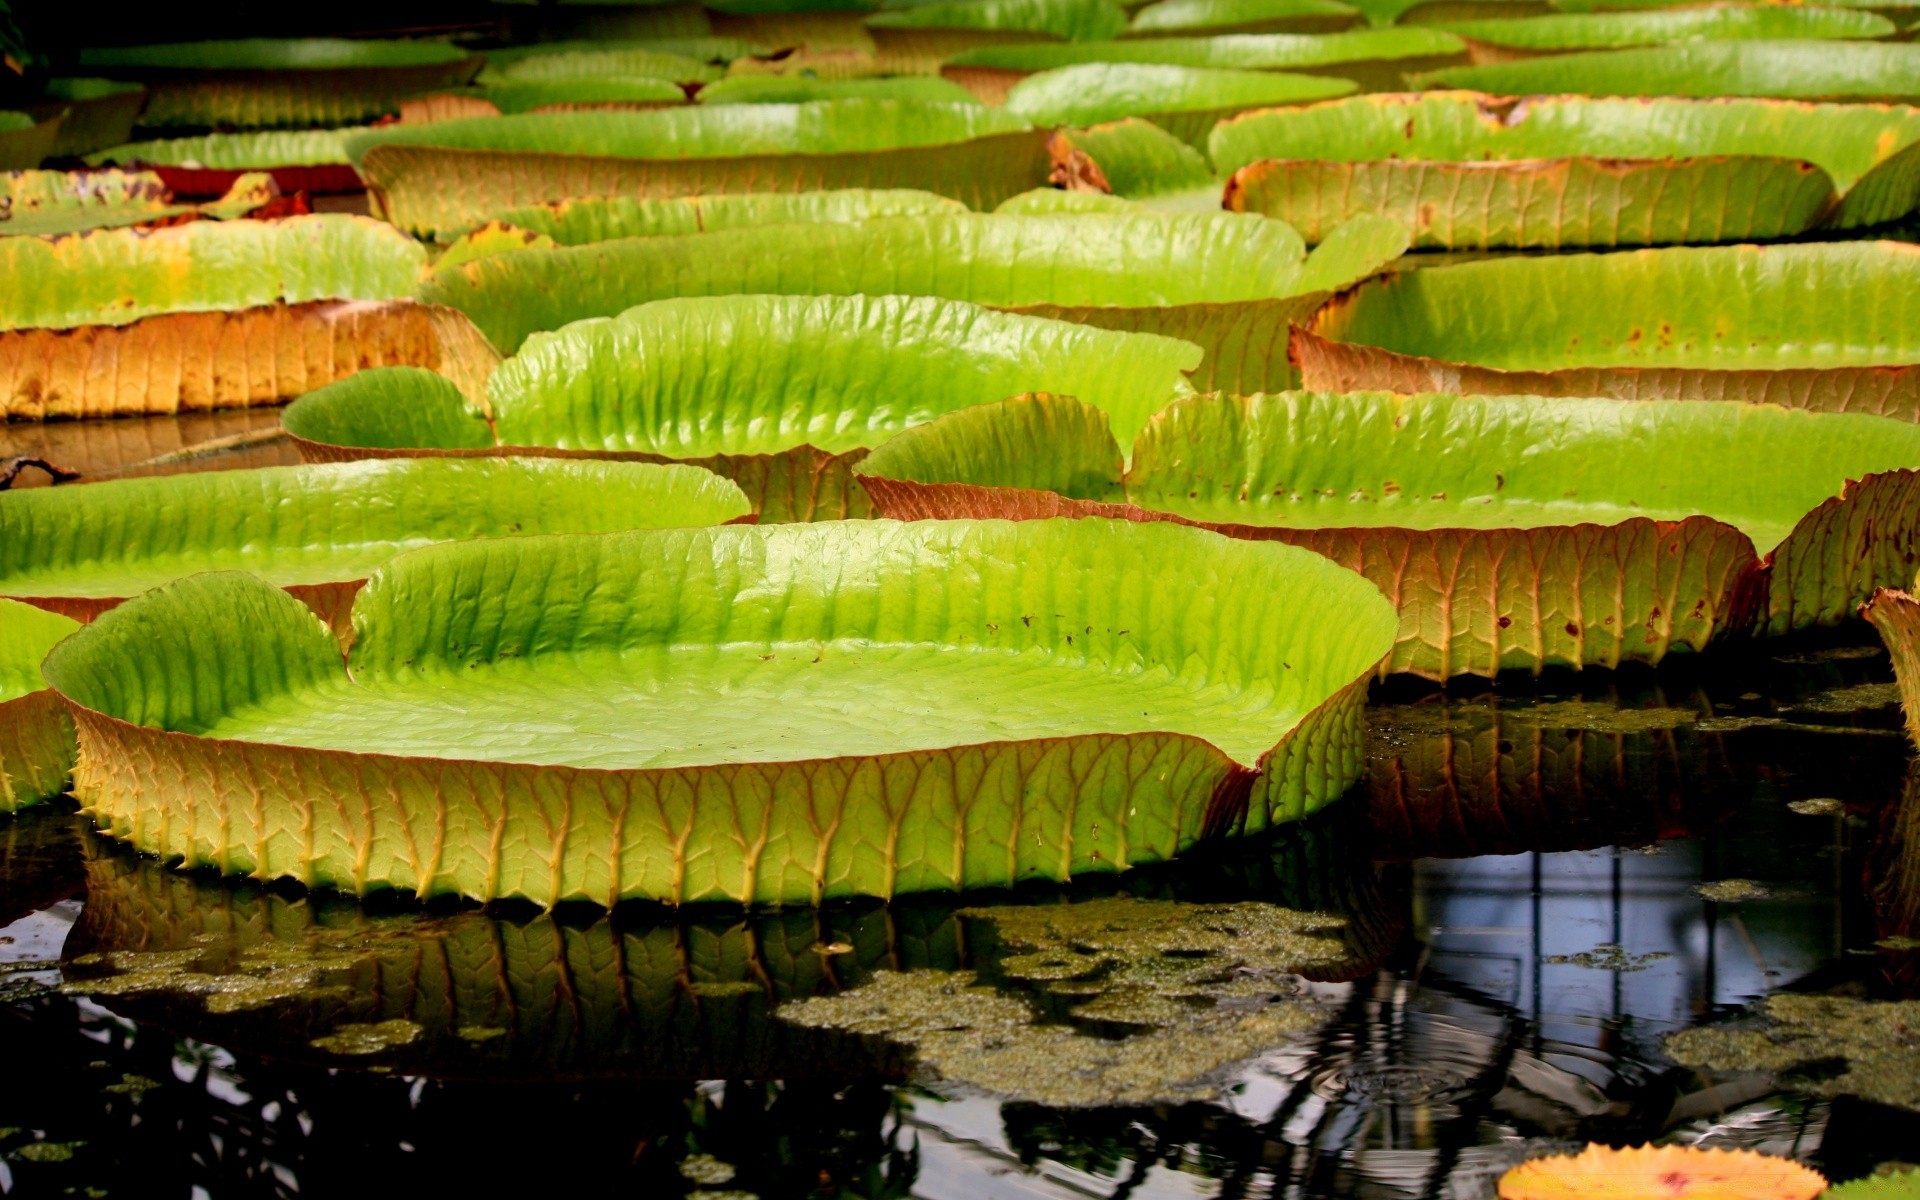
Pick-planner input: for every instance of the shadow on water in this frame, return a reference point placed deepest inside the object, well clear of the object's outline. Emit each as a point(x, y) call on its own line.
point(1536, 886)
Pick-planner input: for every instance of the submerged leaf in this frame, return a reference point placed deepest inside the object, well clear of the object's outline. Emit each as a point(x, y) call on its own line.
point(1211, 691)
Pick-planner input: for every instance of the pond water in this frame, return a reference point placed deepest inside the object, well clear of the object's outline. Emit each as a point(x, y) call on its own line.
point(1538, 884)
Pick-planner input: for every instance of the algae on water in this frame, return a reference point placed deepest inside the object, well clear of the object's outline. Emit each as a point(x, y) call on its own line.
point(369, 1038)
point(1732, 891)
point(1877, 1043)
point(1609, 956)
point(1197, 989)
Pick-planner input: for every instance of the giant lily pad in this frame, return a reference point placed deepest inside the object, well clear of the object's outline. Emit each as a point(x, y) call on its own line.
point(578, 65)
point(1123, 166)
point(1896, 614)
point(320, 530)
point(1465, 170)
point(847, 708)
point(49, 203)
point(36, 735)
point(792, 89)
point(926, 34)
point(1792, 70)
point(1184, 101)
point(589, 219)
point(265, 83)
point(1560, 33)
point(446, 176)
point(1216, 17)
point(1510, 532)
point(1230, 284)
point(24, 142)
point(1376, 59)
point(1833, 326)
point(214, 314)
point(307, 160)
point(99, 112)
point(783, 394)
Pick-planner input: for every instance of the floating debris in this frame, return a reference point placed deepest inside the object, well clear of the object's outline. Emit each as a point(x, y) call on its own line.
point(1823, 806)
point(1876, 1041)
point(131, 1085)
point(706, 1169)
point(1197, 988)
point(479, 1033)
point(1898, 941)
point(1609, 956)
point(369, 1039)
point(1732, 891)
point(45, 1152)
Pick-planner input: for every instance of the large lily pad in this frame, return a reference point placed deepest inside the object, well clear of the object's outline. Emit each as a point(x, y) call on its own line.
point(791, 89)
point(920, 36)
point(36, 734)
point(1510, 532)
point(1217, 17)
point(266, 83)
point(1376, 59)
point(1792, 70)
point(1896, 614)
point(1834, 327)
point(447, 176)
point(320, 530)
point(99, 112)
point(1230, 284)
point(1497, 40)
point(1184, 101)
point(847, 708)
point(558, 65)
point(24, 142)
point(307, 160)
point(581, 221)
point(214, 314)
point(50, 203)
point(1123, 166)
point(782, 394)
point(1470, 171)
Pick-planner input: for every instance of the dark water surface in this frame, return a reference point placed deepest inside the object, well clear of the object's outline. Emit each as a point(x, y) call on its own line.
point(1520, 881)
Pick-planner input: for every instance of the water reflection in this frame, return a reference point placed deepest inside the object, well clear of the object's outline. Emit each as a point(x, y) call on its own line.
point(1524, 925)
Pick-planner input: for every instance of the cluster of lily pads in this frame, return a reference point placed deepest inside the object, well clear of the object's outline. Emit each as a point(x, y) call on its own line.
point(596, 584)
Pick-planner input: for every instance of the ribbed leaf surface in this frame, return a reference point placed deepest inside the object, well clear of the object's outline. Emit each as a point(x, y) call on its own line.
point(1793, 70)
point(1215, 17)
point(1511, 533)
point(838, 709)
point(36, 735)
point(1831, 326)
point(604, 218)
point(234, 151)
point(1562, 32)
point(1466, 170)
point(1185, 101)
point(449, 175)
point(1230, 284)
point(80, 550)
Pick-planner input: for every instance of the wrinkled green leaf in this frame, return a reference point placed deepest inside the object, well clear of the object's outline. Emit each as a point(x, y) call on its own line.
point(1184, 101)
point(100, 112)
point(1584, 171)
point(117, 276)
point(1142, 163)
point(1230, 284)
point(81, 549)
point(758, 655)
point(234, 151)
point(1214, 17)
point(1069, 20)
point(1897, 1185)
point(791, 89)
point(718, 50)
point(24, 143)
point(1562, 32)
point(604, 218)
point(36, 735)
point(274, 83)
point(1789, 70)
point(579, 65)
point(527, 95)
point(1396, 49)
point(48, 203)
point(449, 175)
point(1510, 531)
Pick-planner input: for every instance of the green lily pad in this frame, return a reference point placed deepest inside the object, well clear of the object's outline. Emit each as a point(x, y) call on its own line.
point(1184, 101)
point(1217, 691)
point(1896, 614)
point(320, 530)
point(50, 203)
point(1560, 33)
point(1510, 533)
point(701, 48)
point(1376, 59)
point(578, 222)
point(1470, 171)
point(36, 735)
point(1791, 70)
point(1832, 326)
point(792, 89)
point(783, 394)
point(234, 151)
point(1900, 1185)
point(916, 38)
point(588, 63)
point(1230, 284)
point(99, 112)
point(447, 176)
point(563, 95)
point(1142, 164)
point(270, 83)
point(1217, 17)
